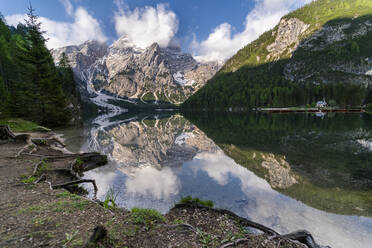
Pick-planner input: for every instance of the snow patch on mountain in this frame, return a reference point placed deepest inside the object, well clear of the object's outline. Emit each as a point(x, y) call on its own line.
point(182, 138)
point(179, 77)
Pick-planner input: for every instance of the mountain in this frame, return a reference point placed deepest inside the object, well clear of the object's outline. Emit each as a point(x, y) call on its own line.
point(320, 51)
point(153, 141)
point(126, 71)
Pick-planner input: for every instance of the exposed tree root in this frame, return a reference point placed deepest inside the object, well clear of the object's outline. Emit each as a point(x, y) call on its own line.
point(301, 236)
point(6, 133)
point(36, 168)
point(236, 242)
point(243, 221)
point(24, 149)
point(41, 178)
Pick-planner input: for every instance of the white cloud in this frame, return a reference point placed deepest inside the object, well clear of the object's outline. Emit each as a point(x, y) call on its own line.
point(85, 27)
point(68, 6)
point(222, 43)
point(144, 26)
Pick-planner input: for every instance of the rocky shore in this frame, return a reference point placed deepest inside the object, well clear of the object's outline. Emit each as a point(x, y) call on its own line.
point(42, 205)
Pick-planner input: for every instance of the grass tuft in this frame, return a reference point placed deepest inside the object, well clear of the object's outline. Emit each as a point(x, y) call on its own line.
point(19, 125)
point(189, 199)
point(146, 217)
point(29, 180)
point(110, 199)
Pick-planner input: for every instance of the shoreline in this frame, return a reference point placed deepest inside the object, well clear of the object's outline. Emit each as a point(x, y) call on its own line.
point(309, 110)
point(36, 215)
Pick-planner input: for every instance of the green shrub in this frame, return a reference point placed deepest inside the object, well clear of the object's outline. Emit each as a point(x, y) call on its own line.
point(19, 125)
point(189, 199)
point(146, 216)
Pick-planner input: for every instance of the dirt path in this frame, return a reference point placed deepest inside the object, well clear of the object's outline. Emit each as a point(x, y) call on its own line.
point(34, 215)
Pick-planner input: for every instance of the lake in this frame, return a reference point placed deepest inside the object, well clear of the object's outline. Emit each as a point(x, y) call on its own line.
point(286, 171)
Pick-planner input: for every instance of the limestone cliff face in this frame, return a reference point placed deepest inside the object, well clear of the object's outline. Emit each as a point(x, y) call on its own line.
point(298, 42)
point(151, 74)
point(82, 58)
point(287, 38)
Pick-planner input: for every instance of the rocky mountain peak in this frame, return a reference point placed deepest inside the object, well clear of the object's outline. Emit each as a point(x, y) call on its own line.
point(127, 71)
point(81, 57)
point(123, 46)
point(151, 55)
point(154, 47)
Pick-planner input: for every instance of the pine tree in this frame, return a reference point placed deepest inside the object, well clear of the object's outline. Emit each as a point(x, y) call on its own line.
point(69, 85)
point(49, 105)
point(5, 65)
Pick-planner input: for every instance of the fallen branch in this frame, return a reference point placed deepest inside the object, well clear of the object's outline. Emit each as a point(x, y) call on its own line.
point(78, 182)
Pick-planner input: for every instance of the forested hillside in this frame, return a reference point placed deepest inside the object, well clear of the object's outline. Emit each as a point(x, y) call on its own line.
point(31, 86)
point(321, 51)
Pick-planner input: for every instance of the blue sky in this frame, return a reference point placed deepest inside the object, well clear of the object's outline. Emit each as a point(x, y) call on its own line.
point(209, 29)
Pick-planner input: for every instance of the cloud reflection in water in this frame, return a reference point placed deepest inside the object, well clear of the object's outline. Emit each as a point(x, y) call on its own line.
point(159, 184)
point(278, 211)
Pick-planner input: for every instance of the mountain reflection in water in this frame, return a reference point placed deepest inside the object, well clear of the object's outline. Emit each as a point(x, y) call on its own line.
point(255, 171)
